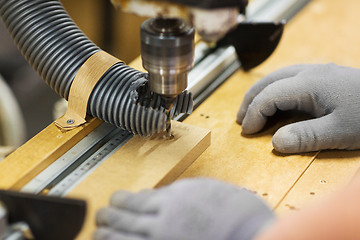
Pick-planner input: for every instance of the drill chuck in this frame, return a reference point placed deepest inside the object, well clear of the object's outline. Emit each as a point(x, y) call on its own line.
point(167, 50)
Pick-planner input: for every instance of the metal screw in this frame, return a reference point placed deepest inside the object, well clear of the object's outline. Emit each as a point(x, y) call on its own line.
point(70, 121)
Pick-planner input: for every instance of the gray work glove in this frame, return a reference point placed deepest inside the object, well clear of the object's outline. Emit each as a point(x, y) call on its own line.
point(328, 92)
point(188, 209)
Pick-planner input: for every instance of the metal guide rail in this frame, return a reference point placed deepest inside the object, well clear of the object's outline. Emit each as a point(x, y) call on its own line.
point(211, 69)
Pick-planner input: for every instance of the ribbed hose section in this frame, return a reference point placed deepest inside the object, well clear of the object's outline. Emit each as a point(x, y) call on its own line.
point(114, 100)
point(56, 49)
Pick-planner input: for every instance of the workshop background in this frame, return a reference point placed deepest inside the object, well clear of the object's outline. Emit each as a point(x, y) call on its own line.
point(109, 28)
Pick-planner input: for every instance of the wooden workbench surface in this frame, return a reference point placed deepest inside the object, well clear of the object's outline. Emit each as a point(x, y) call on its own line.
point(325, 31)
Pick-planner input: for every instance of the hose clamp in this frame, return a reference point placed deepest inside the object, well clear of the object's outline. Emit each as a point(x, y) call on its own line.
point(82, 86)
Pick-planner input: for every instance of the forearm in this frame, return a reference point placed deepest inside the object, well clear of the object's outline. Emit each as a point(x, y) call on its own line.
point(336, 217)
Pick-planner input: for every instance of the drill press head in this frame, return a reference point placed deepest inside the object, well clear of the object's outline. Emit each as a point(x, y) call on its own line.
point(167, 51)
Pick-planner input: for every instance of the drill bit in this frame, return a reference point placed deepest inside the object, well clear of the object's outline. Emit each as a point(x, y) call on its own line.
point(168, 124)
point(169, 103)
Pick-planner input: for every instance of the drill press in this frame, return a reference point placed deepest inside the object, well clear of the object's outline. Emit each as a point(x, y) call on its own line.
point(167, 51)
point(167, 41)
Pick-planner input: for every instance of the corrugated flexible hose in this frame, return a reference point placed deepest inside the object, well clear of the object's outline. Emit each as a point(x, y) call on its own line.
point(56, 48)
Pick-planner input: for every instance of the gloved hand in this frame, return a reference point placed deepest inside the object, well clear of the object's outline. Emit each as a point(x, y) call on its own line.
point(187, 209)
point(329, 92)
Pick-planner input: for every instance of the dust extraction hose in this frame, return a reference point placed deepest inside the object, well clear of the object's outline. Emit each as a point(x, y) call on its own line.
point(56, 48)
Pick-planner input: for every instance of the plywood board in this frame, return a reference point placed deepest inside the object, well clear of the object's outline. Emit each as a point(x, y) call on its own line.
point(141, 163)
point(335, 41)
point(248, 161)
point(330, 171)
point(38, 153)
point(323, 32)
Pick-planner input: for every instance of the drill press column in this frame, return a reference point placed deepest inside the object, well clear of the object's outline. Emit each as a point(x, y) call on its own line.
point(167, 51)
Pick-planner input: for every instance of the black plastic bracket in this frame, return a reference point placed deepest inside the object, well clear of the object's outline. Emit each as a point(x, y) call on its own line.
point(48, 217)
point(254, 41)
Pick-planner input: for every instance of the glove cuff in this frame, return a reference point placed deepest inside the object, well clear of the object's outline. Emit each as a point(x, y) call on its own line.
point(253, 226)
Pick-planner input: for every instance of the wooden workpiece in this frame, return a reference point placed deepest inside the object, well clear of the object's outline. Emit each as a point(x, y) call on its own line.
point(325, 31)
point(141, 163)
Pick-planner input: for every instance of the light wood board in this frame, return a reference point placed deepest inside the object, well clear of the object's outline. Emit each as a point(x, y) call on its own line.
point(141, 163)
point(243, 160)
point(330, 37)
point(325, 31)
point(330, 171)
